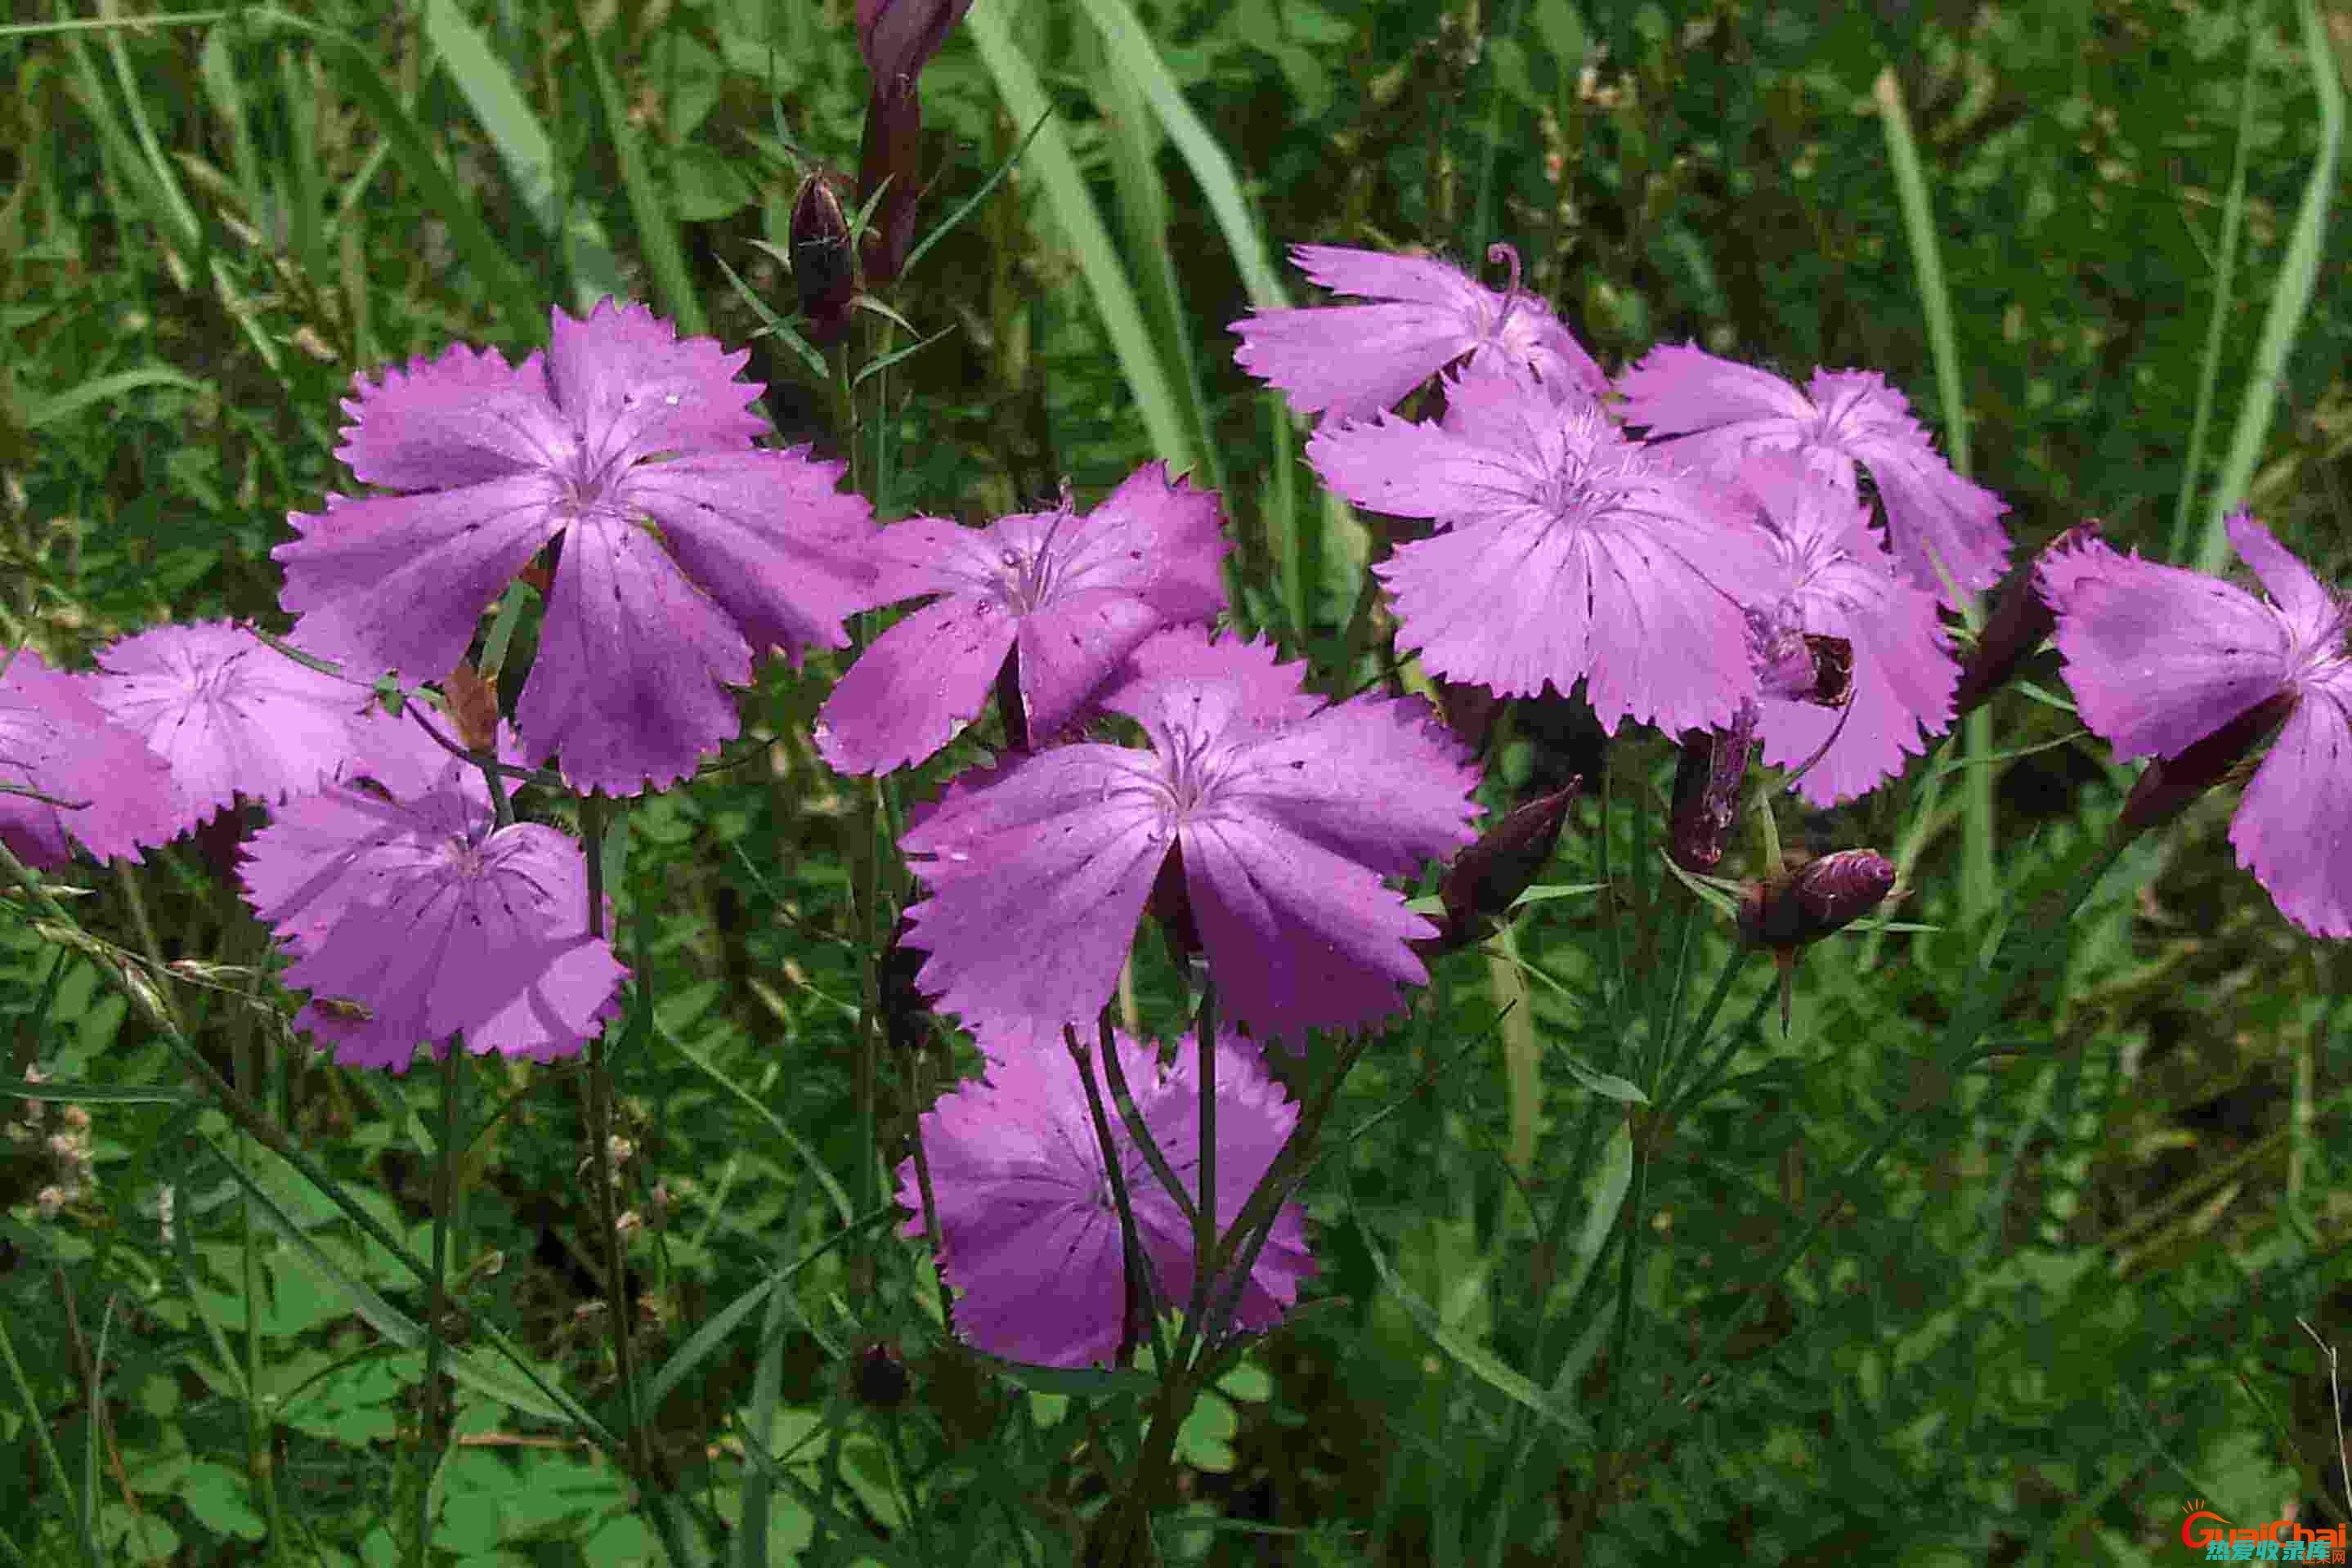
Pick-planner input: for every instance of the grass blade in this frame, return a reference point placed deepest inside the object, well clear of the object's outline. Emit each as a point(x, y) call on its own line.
point(2290, 301)
point(1098, 263)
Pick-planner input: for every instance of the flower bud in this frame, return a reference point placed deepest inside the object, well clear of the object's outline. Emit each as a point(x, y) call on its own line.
point(1807, 902)
point(898, 38)
point(1484, 879)
point(879, 1378)
point(1707, 781)
point(2020, 622)
point(473, 709)
point(825, 263)
point(2166, 789)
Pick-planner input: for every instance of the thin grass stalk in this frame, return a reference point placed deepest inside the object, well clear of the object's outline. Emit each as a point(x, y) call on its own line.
point(1978, 828)
point(1074, 209)
point(2217, 324)
point(260, 1464)
point(2298, 281)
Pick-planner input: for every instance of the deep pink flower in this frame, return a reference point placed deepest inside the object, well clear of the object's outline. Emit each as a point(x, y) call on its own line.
point(686, 550)
point(56, 741)
point(231, 714)
point(2159, 658)
point(1836, 579)
point(1350, 361)
point(1722, 410)
point(1286, 817)
point(1573, 555)
point(1075, 595)
point(1029, 1233)
point(410, 918)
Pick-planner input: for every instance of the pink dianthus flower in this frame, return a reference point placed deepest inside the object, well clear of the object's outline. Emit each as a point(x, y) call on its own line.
point(231, 714)
point(1073, 595)
point(686, 550)
point(1029, 1233)
point(1836, 579)
point(1717, 411)
point(2159, 658)
point(1283, 815)
point(1568, 553)
point(411, 918)
point(1351, 362)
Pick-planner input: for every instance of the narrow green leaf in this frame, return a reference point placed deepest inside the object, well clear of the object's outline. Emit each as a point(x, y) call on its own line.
point(2290, 300)
point(526, 150)
point(1480, 1363)
point(1074, 209)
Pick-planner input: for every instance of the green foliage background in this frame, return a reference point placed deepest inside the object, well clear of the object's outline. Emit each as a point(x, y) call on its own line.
point(2062, 1303)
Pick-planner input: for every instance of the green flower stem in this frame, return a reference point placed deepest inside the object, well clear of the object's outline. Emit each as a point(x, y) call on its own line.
point(1205, 1167)
point(433, 1407)
point(596, 1097)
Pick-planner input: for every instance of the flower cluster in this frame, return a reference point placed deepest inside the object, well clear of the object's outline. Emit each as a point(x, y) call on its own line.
point(1670, 576)
point(1696, 545)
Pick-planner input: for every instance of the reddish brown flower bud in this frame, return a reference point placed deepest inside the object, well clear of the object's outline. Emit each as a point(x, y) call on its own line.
point(825, 262)
point(2166, 789)
point(473, 709)
point(1484, 879)
point(1707, 782)
point(2020, 620)
point(1808, 902)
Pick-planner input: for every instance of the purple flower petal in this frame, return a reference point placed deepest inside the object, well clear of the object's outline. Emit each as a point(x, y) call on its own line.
point(629, 684)
point(770, 538)
point(1054, 855)
point(1080, 593)
point(1837, 580)
point(411, 921)
point(389, 583)
point(618, 425)
point(1293, 812)
point(1574, 555)
point(915, 686)
point(2159, 657)
point(1029, 1234)
point(1720, 411)
point(1349, 361)
point(2293, 827)
point(230, 714)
